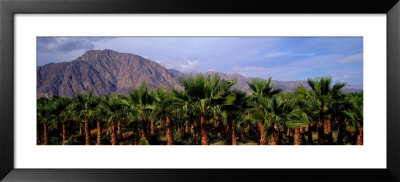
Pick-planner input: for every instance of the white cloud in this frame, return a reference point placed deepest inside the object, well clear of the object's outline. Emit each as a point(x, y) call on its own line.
point(279, 54)
point(181, 65)
point(305, 54)
point(352, 58)
point(275, 54)
point(250, 69)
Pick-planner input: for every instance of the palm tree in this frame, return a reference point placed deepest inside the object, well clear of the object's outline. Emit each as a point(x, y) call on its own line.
point(205, 93)
point(307, 113)
point(48, 113)
point(43, 116)
point(242, 124)
point(172, 102)
point(262, 89)
point(234, 106)
point(111, 106)
point(281, 110)
point(355, 114)
point(303, 116)
point(321, 96)
point(85, 105)
point(196, 88)
point(139, 100)
point(129, 108)
point(100, 115)
point(274, 112)
point(184, 112)
point(65, 113)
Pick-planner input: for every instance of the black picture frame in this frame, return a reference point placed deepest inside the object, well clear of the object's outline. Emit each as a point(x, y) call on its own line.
point(8, 8)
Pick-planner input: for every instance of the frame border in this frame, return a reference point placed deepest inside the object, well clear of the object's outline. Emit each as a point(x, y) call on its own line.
point(8, 8)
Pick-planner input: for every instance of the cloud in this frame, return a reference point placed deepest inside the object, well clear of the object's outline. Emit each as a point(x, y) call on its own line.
point(51, 57)
point(305, 54)
point(181, 65)
point(275, 54)
point(352, 58)
point(250, 69)
point(61, 49)
point(287, 58)
point(66, 44)
point(287, 54)
point(296, 69)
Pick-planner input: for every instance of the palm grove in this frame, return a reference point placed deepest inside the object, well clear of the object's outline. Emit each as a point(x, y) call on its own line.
point(208, 110)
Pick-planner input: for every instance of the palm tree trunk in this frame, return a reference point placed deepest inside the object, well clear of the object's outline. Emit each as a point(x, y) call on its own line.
point(309, 133)
point(152, 132)
point(320, 127)
point(341, 133)
point(347, 133)
point(87, 133)
point(147, 122)
point(64, 134)
point(119, 133)
point(217, 127)
point(98, 141)
point(261, 128)
point(181, 130)
point(359, 134)
point(228, 134)
point(233, 133)
point(80, 130)
point(135, 134)
point(196, 132)
point(302, 135)
point(241, 135)
point(275, 135)
point(170, 136)
point(204, 132)
point(320, 133)
point(328, 132)
point(187, 127)
point(46, 137)
point(144, 133)
point(297, 137)
point(113, 136)
point(290, 136)
point(162, 127)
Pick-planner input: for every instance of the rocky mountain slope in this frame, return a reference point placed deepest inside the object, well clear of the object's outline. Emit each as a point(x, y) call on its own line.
point(104, 72)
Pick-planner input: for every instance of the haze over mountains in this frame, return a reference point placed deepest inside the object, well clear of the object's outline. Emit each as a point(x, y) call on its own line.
point(107, 71)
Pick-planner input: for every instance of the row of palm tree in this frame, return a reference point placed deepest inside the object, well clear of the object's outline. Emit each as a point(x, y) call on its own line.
point(208, 110)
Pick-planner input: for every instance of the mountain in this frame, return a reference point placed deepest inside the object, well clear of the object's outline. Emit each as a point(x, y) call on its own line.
point(107, 71)
point(104, 72)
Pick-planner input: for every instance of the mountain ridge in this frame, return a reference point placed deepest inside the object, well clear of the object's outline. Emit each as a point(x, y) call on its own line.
point(107, 71)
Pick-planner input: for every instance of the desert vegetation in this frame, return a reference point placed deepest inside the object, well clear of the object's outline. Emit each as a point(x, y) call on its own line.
point(207, 111)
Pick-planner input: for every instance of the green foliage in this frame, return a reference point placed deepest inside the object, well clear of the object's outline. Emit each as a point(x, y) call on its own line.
point(208, 96)
point(143, 142)
point(72, 140)
point(263, 88)
point(355, 111)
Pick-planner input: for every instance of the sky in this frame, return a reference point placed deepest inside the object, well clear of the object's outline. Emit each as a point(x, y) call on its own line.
point(282, 58)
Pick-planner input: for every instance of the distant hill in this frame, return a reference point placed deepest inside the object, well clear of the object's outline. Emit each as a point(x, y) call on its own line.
point(107, 71)
point(288, 86)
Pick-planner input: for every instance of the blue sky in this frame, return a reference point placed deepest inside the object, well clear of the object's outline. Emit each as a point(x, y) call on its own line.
point(282, 58)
